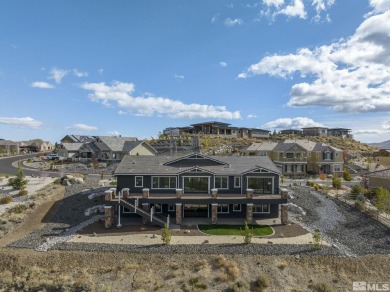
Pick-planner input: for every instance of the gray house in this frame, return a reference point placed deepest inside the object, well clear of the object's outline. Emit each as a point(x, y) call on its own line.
point(211, 187)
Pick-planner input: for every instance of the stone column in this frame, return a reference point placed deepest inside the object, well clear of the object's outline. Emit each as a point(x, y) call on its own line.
point(214, 213)
point(284, 213)
point(108, 216)
point(249, 213)
point(284, 194)
point(126, 193)
point(146, 208)
point(179, 213)
point(179, 193)
point(249, 193)
point(113, 191)
point(108, 195)
point(214, 193)
point(145, 193)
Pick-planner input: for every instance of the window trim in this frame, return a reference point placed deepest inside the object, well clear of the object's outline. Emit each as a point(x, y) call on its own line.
point(262, 212)
point(339, 165)
point(171, 210)
point(237, 210)
point(135, 181)
point(239, 182)
point(220, 211)
point(272, 182)
point(161, 208)
point(227, 182)
point(165, 176)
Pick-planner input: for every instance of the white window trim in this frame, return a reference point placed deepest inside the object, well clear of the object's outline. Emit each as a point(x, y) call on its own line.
point(237, 210)
point(220, 212)
point(208, 179)
point(239, 182)
point(339, 165)
point(135, 181)
point(269, 209)
point(273, 182)
point(227, 182)
point(171, 210)
point(159, 182)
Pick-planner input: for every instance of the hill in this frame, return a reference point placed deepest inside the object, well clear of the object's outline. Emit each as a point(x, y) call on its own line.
point(381, 145)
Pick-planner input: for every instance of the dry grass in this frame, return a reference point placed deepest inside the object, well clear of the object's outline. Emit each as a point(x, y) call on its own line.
point(229, 266)
point(282, 265)
point(200, 265)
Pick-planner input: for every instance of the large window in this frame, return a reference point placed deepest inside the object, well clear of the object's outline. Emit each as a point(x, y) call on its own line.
point(299, 168)
point(290, 155)
point(237, 181)
point(264, 208)
point(196, 184)
point(223, 208)
point(337, 168)
point(139, 181)
point(236, 207)
point(260, 185)
point(221, 182)
point(164, 182)
point(288, 168)
point(327, 155)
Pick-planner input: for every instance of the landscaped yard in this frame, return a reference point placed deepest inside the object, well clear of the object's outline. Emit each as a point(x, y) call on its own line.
point(258, 230)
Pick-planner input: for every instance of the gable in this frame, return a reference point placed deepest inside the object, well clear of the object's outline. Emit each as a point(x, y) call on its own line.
point(259, 170)
point(296, 148)
point(195, 160)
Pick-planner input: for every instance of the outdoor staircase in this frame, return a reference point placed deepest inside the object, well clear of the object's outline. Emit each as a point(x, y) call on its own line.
point(149, 216)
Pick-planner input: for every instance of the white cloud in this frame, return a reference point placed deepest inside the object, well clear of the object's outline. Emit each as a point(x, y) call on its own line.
point(100, 71)
point(296, 9)
point(122, 95)
point(292, 123)
point(215, 18)
point(57, 74)
point(113, 133)
point(82, 127)
point(26, 122)
point(275, 3)
point(367, 132)
point(223, 64)
point(122, 112)
point(386, 125)
point(79, 74)
point(320, 6)
point(351, 75)
point(177, 76)
point(233, 22)
point(380, 5)
point(250, 116)
point(42, 84)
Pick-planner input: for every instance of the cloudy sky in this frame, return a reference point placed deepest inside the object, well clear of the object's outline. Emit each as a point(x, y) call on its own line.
point(135, 67)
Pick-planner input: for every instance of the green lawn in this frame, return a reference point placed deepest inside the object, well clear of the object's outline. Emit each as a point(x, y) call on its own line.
point(258, 230)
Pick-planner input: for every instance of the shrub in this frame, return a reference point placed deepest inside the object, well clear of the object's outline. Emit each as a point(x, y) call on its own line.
point(113, 183)
point(320, 287)
point(357, 190)
point(240, 286)
point(316, 187)
point(18, 209)
point(322, 176)
point(317, 239)
point(248, 234)
point(20, 182)
point(6, 200)
point(166, 235)
point(347, 175)
point(336, 182)
point(222, 277)
point(23, 193)
point(262, 282)
point(282, 265)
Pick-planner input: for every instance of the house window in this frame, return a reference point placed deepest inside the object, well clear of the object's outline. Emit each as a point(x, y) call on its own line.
point(327, 156)
point(237, 181)
point(309, 154)
point(139, 181)
point(337, 154)
point(263, 153)
point(318, 154)
point(288, 168)
point(236, 207)
point(299, 168)
point(263, 208)
point(157, 208)
point(171, 207)
point(221, 182)
point(260, 185)
point(163, 182)
point(223, 208)
point(336, 168)
point(290, 155)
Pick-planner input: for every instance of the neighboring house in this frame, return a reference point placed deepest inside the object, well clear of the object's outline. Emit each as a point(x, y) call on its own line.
point(291, 132)
point(218, 129)
point(321, 131)
point(379, 178)
point(106, 148)
point(36, 145)
point(340, 132)
point(298, 157)
point(8, 147)
point(315, 131)
point(77, 139)
point(382, 157)
point(198, 186)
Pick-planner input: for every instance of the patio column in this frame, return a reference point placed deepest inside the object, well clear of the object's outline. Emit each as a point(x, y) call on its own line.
point(214, 193)
point(284, 214)
point(146, 208)
point(108, 216)
point(284, 194)
point(178, 213)
point(214, 215)
point(249, 213)
point(145, 193)
point(125, 193)
point(108, 195)
point(249, 193)
point(179, 193)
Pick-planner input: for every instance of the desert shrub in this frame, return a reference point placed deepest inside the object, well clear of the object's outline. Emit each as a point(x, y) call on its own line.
point(240, 286)
point(316, 187)
point(382, 199)
point(57, 181)
point(23, 193)
point(19, 182)
point(261, 283)
point(317, 239)
point(11, 181)
point(347, 175)
point(360, 201)
point(282, 265)
point(220, 261)
point(322, 176)
point(222, 277)
point(336, 182)
point(6, 200)
point(195, 283)
point(320, 287)
point(357, 190)
point(18, 209)
point(200, 264)
point(232, 270)
point(166, 235)
point(174, 266)
point(248, 234)
point(113, 183)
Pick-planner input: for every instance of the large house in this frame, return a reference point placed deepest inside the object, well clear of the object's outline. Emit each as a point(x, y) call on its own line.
point(8, 147)
point(217, 129)
point(322, 131)
point(378, 178)
point(35, 145)
point(160, 187)
point(298, 157)
point(382, 157)
point(104, 148)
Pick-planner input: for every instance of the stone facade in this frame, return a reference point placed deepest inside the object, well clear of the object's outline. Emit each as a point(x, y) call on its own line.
point(178, 213)
point(249, 193)
point(249, 213)
point(284, 214)
point(108, 216)
point(214, 213)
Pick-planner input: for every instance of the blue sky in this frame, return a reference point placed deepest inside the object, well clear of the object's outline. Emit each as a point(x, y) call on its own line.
point(136, 67)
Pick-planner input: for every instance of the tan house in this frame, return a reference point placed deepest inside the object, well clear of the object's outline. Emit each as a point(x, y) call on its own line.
point(382, 157)
point(298, 157)
point(36, 145)
point(8, 148)
point(379, 178)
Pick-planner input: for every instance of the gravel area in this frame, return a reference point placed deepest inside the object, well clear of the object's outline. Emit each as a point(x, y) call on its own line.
point(351, 231)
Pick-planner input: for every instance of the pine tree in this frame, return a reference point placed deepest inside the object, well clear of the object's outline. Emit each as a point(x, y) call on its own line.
point(20, 182)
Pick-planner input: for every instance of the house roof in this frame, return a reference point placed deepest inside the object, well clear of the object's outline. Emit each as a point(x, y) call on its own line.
point(214, 123)
point(306, 144)
point(79, 138)
point(385, 173)
point(116, 144)
point(265, 146)
point(7, 143)
point(72, 146)
point(230, 165)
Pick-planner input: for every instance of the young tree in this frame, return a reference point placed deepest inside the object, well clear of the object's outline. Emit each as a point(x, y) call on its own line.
point(382, 199)
point(336, 182)
point(20, 182)
point(317, 239)
point(347, 175)
point(248, 234)
point(166, 235)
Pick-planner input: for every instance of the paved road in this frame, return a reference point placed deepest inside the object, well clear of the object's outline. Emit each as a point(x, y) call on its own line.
point(7, 167)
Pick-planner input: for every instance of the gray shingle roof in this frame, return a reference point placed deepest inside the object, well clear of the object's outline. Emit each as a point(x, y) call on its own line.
point(115, 144)
point(157, 165)
point(72, 146)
